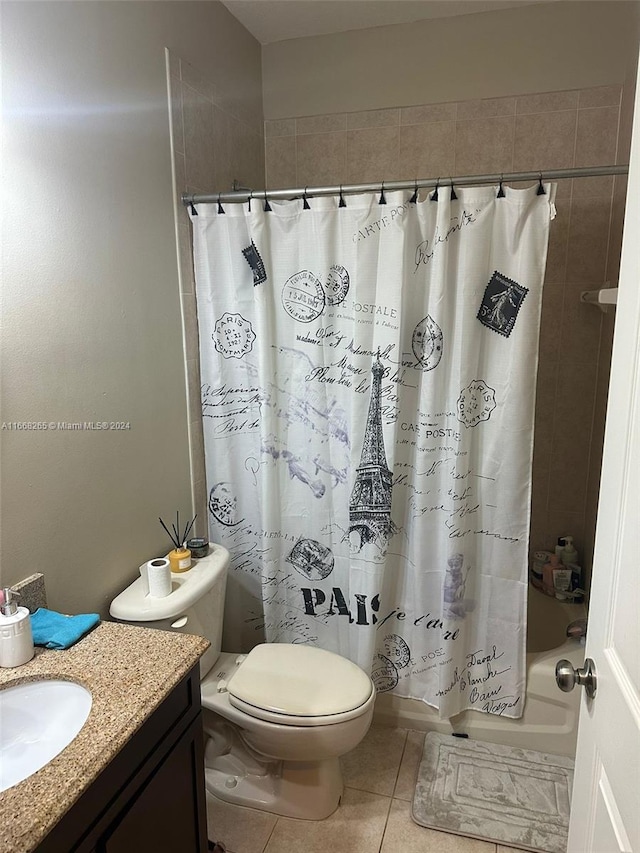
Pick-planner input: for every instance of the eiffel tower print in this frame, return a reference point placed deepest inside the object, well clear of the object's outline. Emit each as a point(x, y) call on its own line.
point(370, 502)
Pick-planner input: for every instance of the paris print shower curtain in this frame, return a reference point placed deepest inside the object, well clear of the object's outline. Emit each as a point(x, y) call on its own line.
point(368, 378)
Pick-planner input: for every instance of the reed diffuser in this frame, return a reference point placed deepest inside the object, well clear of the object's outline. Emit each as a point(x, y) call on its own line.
point(180, 556)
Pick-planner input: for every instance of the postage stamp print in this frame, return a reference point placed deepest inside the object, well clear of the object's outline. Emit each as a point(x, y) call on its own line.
point(312, 559)
point(501, 303)
point(252, 257)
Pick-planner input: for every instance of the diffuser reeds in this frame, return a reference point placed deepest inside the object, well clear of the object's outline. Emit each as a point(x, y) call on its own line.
point(177, 540)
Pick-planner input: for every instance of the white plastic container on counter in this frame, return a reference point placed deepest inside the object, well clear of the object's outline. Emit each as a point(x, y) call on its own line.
point(16, 639)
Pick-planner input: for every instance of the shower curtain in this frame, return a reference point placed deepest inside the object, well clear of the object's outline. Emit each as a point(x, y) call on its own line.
point(368, 380)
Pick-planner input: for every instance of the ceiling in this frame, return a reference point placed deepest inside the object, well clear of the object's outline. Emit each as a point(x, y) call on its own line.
point(276, 20)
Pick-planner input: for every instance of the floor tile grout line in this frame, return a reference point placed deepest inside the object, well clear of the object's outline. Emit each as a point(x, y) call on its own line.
point(386, 823)
point(273, 829)
point(404, 749)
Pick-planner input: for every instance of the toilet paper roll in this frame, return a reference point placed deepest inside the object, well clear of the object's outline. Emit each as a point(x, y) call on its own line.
point(159, 577)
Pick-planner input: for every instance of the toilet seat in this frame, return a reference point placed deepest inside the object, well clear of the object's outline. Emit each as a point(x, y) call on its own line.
point(296, 685)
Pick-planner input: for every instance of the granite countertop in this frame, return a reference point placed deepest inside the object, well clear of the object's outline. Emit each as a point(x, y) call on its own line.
point(129, 671)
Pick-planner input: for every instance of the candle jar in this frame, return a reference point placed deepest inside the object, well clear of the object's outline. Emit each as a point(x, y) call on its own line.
point(199, 547)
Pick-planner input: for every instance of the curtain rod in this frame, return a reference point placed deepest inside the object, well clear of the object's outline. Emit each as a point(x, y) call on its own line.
point(469, 180)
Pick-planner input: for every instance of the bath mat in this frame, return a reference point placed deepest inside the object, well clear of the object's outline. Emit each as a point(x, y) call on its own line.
point(516, 797)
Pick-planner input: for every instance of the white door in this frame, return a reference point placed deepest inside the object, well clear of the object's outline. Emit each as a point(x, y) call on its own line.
point(605, 811)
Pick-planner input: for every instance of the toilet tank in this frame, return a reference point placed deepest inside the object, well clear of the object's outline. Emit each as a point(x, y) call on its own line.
point(195, 604)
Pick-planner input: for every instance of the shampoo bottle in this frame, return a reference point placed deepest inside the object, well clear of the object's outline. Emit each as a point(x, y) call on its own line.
point(559, 546)
point(568, 553)
point(547, 574)
point(16, 639)
point(562, 583)
point(576, 583)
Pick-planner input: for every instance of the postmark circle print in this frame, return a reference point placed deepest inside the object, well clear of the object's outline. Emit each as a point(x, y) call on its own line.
point(233, 336)
point(223, 505)
point(396, 650)
point(475, 403)
point(337, 285)
point(383, 674)
point(303, 297)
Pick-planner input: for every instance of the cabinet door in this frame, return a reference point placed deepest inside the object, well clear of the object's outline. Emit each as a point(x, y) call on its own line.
point(168, 814)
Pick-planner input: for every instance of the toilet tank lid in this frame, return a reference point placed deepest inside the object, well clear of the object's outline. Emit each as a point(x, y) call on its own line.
point(132, 605)
point(297, 680)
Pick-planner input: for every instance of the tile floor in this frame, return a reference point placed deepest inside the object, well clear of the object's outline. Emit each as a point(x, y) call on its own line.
point(374, 816)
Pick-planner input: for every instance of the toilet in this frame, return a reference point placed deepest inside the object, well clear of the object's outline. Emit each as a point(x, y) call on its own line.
point(277, 719)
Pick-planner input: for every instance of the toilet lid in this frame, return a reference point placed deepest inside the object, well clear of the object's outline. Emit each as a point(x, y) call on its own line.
point(298, 680)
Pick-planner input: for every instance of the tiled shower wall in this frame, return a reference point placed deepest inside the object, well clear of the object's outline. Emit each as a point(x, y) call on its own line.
point(215, 141)
point(532, 132)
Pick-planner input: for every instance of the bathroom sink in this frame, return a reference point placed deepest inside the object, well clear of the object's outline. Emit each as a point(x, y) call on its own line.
point(37, 720)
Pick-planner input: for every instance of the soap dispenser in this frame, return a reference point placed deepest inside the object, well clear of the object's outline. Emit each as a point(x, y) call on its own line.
point(568, 554)
point(16, 639)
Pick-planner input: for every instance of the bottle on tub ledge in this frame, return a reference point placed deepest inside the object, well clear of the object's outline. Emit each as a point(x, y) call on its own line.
point(562, 583)
point(542, 568)
point(577, 588)
point(568, 553)
point(548, 574)
point(540, 559)
point(569, 558)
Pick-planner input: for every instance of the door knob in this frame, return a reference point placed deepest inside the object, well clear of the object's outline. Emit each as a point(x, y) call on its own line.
point(567, 677)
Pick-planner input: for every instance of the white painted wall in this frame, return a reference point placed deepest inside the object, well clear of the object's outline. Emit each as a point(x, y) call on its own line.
point(514, 51)
point(91, 313)
point(91, 309)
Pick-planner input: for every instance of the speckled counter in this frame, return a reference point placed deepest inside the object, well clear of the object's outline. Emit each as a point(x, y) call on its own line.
point(129, 671)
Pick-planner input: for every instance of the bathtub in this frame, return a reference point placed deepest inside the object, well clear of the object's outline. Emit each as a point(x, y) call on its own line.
point(550, 719)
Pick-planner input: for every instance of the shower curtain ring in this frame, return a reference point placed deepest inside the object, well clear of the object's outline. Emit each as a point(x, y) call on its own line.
point(220, 207)
point(500, 189)
point(414, 197)
point(192, 208)
point(382, 198)
point(342, 201)
point(250, 199)
point(540, 190)
point(267, 206)
point(453, 196)
point(434, 196)
point(305, 203)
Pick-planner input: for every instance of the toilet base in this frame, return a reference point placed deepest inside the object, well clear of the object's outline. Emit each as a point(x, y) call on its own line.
point(308, 790)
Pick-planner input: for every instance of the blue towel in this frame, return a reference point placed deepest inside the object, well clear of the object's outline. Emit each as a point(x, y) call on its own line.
point(55, 631)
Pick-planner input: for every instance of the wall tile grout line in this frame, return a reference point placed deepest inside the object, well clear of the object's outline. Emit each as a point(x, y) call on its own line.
point(555, 417)
point(515, 136)
point(565, 110)
point(600, 333)
point(346, 158)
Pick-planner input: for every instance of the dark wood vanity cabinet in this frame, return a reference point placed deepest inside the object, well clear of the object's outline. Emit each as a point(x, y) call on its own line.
point(151, 797)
